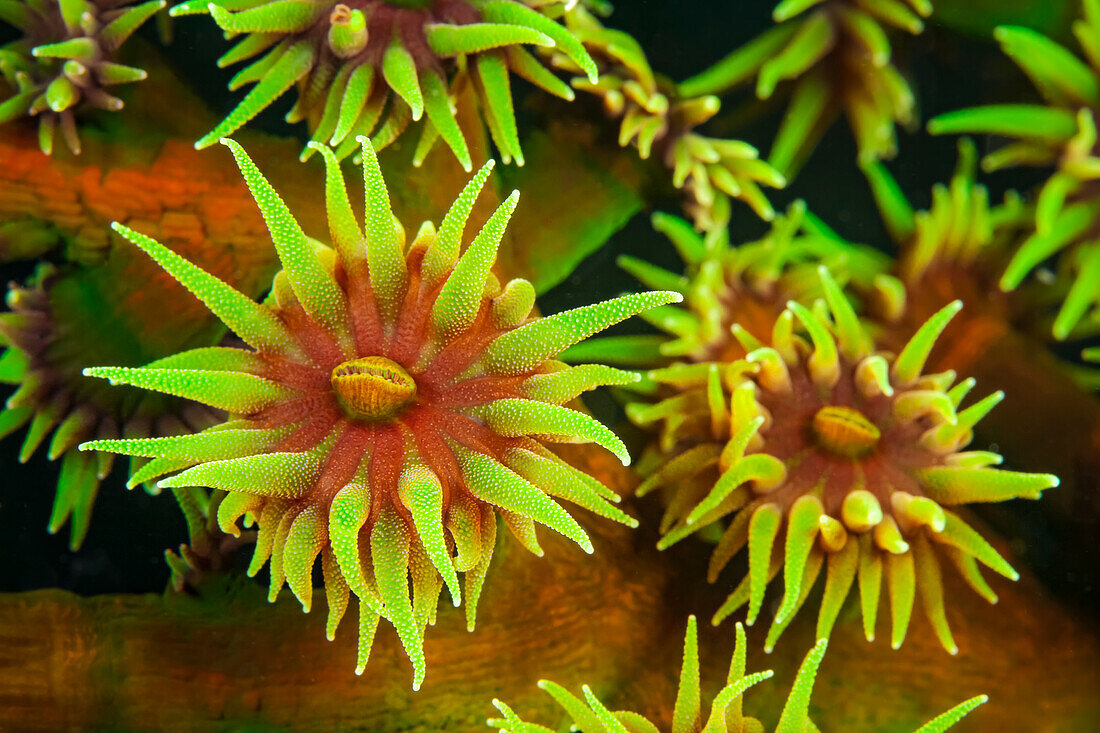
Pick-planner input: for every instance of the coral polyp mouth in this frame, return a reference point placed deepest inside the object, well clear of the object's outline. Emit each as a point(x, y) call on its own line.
point(845, 432)
point(373, 388)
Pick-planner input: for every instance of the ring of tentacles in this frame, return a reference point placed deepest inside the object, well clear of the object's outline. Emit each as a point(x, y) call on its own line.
point(394, 401)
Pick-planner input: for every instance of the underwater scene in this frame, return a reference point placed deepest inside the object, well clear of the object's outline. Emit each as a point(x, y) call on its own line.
point(550, 365)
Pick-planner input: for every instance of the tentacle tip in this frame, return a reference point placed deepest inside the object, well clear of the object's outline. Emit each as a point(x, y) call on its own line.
point(359, 670)
point(895, 645)
point(86, 446)
point(953, 650)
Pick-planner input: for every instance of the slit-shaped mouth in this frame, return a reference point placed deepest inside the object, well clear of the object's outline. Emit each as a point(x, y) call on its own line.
point(373, 388)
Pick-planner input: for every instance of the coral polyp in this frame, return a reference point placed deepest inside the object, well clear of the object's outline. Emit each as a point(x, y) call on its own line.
point(395, 400)
point(741, 287)
point(1061, 134)
point(64, 60)
point(727, 708)
point(838, 56)
point(368, 67)
point(827, 452)
point(657, 119)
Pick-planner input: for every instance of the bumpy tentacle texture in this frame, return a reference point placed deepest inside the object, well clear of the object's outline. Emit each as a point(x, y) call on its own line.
point(1061, 133)
point(657, 119)
point(43, 346)
point(394, 400)
point(63, 61)
point(830, 455)
point(370, 67)
point(743, 288)
point(726, 712)
point(838, 55)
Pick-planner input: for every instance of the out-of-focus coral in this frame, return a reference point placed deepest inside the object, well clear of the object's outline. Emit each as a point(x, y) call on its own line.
point(729, 289)
point(388, 409)
point(64, 61)
point(829, 449)
point(370, 67)
point(1060, 133)
point(657, 117)
point(838, 56)
point(94, 307)
point(726, 711)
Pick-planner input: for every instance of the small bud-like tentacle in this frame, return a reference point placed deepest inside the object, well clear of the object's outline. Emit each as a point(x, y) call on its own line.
point(824, 362)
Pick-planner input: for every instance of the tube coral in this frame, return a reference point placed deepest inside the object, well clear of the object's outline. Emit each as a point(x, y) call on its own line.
point(64, 60)
point(741, 287)
point(1061, 133)
point(656, 117)
point(372, 66)
point(726, 714)
point(388, 408)
point(828, 449)
point(838, 54)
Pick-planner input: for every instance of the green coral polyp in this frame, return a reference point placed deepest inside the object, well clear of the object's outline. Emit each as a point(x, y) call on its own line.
point(370, 67)
point(63, 62)
point(838, 55)
point(1061, 133)
point(826, 454)
point(726, 712)
point(393, 402)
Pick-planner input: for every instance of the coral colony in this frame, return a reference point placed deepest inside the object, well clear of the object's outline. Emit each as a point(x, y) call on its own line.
point(377, 413)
